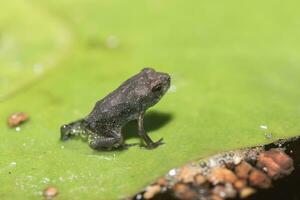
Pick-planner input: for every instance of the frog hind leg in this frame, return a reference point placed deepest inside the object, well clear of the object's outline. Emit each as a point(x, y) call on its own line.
point(142, 133)
point(111, 141)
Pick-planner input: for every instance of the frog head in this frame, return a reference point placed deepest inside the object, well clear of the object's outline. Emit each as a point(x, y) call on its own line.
point(73, 129)
point(159, 83)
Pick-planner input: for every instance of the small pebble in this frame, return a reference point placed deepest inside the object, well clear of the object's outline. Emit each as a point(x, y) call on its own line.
point(240, 184)
point(259, 179)
point(243, 169)
point(246, 192)
point(50, 192)
point(17, 118)
point(225, 191)
point(277, 163)
point(162, 182)
point(199, 179)
point(183, 191)
point(216, 197)
point(151, 191)
point(186, 174)
point(222, 175)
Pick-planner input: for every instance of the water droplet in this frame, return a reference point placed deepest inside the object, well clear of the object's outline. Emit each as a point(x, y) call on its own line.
point(45, 180)
point(265, 169)
point(112, 42)
point(172, 172)
point(18, 129)
point(264, 127)
point(139, 197)
point(13, 164)
point(268, 135)
point(173, 89)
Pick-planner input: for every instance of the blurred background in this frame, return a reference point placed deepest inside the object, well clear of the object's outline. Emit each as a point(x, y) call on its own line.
point(235, 67)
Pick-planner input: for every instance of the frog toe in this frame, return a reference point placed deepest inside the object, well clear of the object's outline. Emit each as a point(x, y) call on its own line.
point(155, 144)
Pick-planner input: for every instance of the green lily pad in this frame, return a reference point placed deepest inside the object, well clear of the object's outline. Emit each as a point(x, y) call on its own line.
point(235, 76)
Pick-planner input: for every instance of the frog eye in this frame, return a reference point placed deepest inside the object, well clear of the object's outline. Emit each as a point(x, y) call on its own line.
point(157, 88)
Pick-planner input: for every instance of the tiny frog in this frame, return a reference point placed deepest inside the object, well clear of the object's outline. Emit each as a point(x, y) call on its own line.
point(103, 126)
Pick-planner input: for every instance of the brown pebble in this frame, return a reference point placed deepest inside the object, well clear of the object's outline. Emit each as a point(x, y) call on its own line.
point(222, 175)
point(276, 162)
point(162, 182)
point(50, 192)
point(243, 169)
point(259, 179)
point(246, 192)
point(199, 179)
point(186, 174)
point(216, 197)
point(240, 184)
point(183, 191)
point(224, 191)
point(151, 191)
point(16, 119)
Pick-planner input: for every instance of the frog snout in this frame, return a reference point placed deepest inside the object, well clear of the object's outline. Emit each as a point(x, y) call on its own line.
point(64, 132)
point(165, 77)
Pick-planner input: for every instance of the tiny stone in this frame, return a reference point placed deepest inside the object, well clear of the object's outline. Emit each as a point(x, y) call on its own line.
point(240, 184)
point(259, 179)
point(183, 191)
point(222, 175)
point(216, 197)
point(50, 192)
point(162, 182)
point(186, 174)
point(277, 163)
point(16, 118)
point(243, 169)
point(199, 179)
point(246, 192)
point(151, 191)
point(224, 191)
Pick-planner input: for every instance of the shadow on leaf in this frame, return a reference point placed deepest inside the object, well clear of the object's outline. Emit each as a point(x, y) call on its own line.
point(153, 121)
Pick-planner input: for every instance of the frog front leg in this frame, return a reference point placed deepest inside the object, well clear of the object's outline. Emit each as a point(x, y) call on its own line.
point(108, 142)
point(142, 133)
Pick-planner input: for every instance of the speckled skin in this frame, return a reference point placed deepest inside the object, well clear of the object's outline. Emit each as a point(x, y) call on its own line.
point(129, 102)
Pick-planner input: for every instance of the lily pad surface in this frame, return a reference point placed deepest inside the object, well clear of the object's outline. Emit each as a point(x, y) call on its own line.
point(235, 80)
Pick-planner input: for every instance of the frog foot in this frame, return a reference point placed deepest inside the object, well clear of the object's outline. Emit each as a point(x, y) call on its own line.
point(153, 145)
point(127, 146)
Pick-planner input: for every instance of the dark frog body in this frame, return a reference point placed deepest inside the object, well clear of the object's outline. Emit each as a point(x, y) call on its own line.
point(129, 102)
